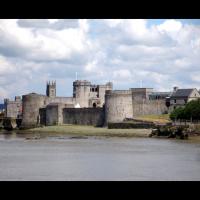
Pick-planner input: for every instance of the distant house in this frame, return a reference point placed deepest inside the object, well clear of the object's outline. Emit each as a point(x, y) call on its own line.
point(181, 96)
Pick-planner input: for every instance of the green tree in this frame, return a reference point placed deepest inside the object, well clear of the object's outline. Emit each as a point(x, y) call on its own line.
point(190, 111)
point(178, 113)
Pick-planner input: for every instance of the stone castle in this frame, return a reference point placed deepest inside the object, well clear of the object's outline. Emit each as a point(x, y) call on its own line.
point(49, 109)
point(93, 104)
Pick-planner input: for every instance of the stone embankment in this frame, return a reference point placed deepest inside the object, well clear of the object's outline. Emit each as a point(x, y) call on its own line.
point(10, 123)
point(179, 132)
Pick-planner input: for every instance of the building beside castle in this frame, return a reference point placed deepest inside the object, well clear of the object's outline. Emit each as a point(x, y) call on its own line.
point(180, 97)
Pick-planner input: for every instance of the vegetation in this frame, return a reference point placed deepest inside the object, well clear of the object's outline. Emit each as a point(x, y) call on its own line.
point(164, 118)
point(190, 112)
point(178, 113)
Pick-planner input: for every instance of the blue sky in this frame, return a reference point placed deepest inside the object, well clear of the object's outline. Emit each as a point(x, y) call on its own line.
point(161, 53)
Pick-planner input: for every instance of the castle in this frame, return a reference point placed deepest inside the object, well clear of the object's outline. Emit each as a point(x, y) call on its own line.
point(88, 99)
point(94, 104)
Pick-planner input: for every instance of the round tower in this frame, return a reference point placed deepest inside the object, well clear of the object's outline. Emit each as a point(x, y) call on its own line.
point(81, 90)
point(31, 103)
point(118, 105)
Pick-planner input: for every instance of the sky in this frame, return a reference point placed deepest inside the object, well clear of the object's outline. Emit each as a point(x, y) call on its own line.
point(157, 53)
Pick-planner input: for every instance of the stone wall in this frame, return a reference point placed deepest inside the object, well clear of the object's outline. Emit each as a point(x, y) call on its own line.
point(121, 104)
point(13, 108)
point(148, 107)
point(52, 114)
point(84, 116)
point(63, 100)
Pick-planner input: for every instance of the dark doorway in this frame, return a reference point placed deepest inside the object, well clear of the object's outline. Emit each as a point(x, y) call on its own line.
point(94, 105)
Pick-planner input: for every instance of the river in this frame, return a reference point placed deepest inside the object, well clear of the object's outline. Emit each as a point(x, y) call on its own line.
point(97, 158)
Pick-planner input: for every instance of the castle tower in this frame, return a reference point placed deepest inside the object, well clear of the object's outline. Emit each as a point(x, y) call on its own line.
point(51, 89)
point(81, 91)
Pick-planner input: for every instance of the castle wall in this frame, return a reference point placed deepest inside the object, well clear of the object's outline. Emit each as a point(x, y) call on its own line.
point(102, 90)
point(84, 116)
point(141, 93)
point(118, 105)
point(148, 107)
point(51, 115)
point(54, 114)
point(13, 108)
point(63, 100)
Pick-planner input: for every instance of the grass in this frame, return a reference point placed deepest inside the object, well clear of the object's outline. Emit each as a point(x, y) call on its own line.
point(83, 130)
point(164, 118)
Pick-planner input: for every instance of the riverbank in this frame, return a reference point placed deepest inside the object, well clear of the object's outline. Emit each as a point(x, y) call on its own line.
point(86, 131)
point(83, 130)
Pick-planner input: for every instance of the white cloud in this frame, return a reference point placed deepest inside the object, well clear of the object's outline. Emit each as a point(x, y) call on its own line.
point(51, 21)
point(44, 44)
point(122, 74)
point(170, 26)
point(123, 51)
point(6, 67)
point(113, 22)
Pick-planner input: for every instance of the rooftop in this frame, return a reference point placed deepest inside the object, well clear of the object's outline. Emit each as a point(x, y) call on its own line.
point(183, 92)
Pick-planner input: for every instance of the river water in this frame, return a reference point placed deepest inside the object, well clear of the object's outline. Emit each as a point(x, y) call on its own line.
point(97, 158)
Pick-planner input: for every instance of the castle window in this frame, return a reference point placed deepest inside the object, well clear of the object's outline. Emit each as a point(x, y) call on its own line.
point(92, 89)
point(174, 100)
point(95, 89)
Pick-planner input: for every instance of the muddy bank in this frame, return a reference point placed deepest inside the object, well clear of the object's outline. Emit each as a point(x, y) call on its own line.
point(85, 130)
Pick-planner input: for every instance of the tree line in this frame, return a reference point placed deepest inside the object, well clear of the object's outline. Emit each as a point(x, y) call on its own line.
point(191, 111)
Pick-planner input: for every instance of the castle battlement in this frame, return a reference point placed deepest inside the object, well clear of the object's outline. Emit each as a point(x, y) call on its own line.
point(81, 83)
point(118, 92)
